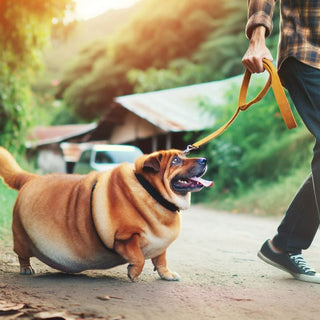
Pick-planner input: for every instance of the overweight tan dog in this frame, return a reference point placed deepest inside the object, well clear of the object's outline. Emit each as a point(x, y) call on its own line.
point(103, 219)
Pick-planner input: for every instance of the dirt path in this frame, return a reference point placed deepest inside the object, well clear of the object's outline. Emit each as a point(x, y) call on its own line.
point(221, 278)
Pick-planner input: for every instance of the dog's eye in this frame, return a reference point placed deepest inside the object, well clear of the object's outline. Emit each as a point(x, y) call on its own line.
point(176, 160)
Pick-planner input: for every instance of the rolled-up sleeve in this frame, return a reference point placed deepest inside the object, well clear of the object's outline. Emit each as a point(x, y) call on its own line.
point(260, 13)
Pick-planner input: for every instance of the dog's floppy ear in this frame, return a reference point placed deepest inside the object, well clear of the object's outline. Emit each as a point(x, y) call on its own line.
point(152, 163)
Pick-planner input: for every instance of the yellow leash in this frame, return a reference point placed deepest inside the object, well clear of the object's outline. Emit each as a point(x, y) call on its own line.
point(279, 94)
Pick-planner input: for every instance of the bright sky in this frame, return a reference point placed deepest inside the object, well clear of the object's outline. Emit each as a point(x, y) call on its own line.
point(86, 9)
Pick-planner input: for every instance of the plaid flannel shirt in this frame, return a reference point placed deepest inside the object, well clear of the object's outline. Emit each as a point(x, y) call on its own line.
point(300, 27)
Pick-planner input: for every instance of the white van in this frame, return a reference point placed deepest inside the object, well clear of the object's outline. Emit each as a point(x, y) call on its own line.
point(100, 157)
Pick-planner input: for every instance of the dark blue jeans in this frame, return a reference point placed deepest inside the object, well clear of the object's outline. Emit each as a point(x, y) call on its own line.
point(301, 220)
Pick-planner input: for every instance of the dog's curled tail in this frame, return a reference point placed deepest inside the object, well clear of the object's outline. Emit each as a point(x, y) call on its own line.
point(13, 175)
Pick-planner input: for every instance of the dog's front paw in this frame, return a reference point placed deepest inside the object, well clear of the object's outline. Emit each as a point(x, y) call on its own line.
point(169, 275)
point(133, 272)
point(27, 271)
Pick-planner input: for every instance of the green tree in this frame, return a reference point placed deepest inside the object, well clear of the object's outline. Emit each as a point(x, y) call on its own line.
point(162, 32)
point(25, 28)
point(82, 65)
point(225, 46)
point(256, 147)
point(217, 57)
point(159, 34)
point(92, 93)
point(168, 44)
point(180, 72)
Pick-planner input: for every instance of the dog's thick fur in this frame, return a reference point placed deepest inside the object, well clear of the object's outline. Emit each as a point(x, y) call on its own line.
point(100, 220)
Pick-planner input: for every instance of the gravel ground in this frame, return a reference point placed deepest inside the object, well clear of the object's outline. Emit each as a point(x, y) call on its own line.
point(221, 278)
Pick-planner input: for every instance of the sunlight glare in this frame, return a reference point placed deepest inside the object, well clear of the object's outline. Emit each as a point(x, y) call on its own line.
point(86, 9)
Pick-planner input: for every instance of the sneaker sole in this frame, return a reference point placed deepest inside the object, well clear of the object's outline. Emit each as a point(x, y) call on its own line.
point(298, 276)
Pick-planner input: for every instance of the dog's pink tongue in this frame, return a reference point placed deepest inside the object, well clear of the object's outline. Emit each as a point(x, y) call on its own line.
point(205, 183)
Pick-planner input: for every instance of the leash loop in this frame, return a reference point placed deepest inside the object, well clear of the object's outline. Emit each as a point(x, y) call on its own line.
point(189, 148)
point(274, 82)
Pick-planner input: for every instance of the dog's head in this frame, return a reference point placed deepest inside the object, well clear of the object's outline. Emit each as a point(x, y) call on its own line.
point(173, 175)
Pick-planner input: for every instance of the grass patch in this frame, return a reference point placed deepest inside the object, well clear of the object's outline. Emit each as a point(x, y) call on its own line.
point(264, 198)
point(7, 199)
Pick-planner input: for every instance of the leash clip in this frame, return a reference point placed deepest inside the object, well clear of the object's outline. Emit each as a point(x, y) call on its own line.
point(190, 148)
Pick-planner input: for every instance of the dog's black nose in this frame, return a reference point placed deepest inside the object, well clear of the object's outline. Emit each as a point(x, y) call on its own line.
point(202, 161)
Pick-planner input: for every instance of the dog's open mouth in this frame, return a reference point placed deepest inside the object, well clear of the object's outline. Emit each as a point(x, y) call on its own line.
point(184, 184)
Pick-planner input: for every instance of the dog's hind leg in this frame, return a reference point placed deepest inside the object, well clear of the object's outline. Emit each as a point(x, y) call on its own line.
point(160, 265)
point(21, 246)
point(25, 266)
point(24, 255)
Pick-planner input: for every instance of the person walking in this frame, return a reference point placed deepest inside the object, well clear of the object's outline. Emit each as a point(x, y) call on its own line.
point(298, 63)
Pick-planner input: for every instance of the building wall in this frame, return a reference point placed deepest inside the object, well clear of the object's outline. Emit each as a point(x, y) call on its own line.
point(133, 128)
point(50, 160)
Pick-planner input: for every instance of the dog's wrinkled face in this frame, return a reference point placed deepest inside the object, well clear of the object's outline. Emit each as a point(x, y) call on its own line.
point(187, 173)
point(174, 175)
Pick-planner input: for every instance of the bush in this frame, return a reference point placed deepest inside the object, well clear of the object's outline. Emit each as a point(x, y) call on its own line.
point(257, 147)
point(7, 198)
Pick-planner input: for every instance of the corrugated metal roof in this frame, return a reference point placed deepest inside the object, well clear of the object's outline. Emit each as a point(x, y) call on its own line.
point(43, 135)
point(179, 109)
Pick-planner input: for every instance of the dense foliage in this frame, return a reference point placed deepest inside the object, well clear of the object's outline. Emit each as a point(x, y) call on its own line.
point(157, 48)
point(163, 46)
point(25, 29)
point(257, 147)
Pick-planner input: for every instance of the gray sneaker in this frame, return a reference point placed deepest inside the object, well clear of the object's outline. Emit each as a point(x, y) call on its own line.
point(292, 263)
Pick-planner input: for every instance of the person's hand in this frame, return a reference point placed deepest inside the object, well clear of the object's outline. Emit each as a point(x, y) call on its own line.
point(257, 50)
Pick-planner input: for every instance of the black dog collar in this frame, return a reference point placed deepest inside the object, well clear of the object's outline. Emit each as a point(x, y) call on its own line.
point(155, 194)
